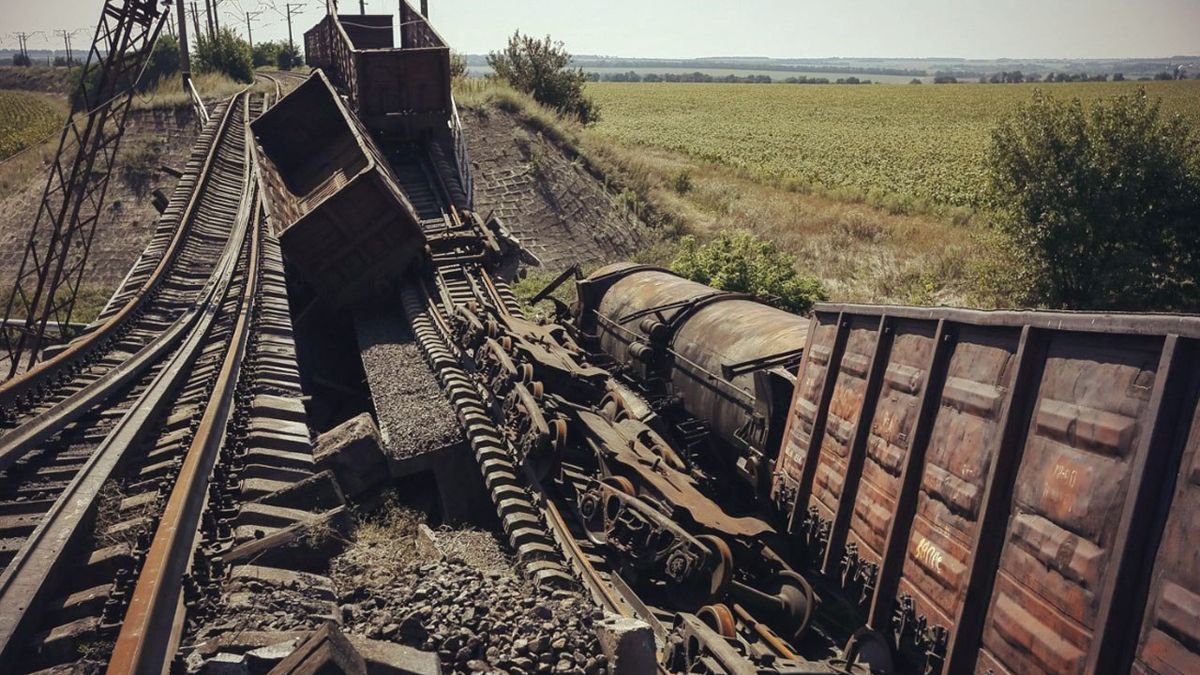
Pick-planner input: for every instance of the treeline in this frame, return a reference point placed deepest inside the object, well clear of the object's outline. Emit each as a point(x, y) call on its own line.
point(633, 76)
point(725, 64)
point(1018, 77)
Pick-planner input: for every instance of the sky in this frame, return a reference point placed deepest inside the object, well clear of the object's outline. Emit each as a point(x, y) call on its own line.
point(1019, 29)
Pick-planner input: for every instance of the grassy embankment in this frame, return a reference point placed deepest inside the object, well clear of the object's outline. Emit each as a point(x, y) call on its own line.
point(875, 189)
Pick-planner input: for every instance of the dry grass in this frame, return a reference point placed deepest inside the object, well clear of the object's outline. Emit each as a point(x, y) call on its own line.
point(169, 92)
point(860, 252)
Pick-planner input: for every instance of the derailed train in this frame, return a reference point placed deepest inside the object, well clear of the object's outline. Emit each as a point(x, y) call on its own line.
point(1001, 492)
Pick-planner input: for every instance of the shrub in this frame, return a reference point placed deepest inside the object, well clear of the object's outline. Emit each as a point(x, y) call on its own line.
point(164, 62)
point(288, 57)
point(681, 181)
point(225, 53)
point(22, 60)
point(266, 53)
point(1104, 202)
point(541, 68)
point(458, 65)
point(741, 261)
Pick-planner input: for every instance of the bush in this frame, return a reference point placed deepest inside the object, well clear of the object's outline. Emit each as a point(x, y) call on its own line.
point(681, 181)
point(288, 57)
point(266, 53)
point(164, 62)
point(22, 60)
point(741, 261)
point(1104, 202)
point(458, 65)
point(226, 53)
point(541, 68)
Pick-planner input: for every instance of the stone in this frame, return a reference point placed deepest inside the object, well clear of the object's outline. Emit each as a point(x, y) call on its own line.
point(354, 452)
point(627, 643)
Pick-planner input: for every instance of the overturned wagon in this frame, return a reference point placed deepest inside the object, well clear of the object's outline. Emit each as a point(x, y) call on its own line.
point(1006, 492)
point(343, 222)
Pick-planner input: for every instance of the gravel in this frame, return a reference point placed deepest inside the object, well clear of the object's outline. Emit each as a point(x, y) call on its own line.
point(470, 608)
point(414, 416)
point(475, 621)
point(478, 548)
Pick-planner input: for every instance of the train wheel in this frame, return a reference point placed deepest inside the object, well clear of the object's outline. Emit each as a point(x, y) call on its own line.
point(558, 427)
point(719, 618)
point(621, 483)
point(869, 648)
point(792, 601)
point(722, 572)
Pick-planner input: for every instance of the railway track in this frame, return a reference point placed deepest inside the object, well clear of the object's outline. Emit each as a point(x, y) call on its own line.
point(110, 508)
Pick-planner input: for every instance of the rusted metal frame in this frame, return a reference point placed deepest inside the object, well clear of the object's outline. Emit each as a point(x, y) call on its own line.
point(145, 644)
point(967, 629)
point(760, 363)
point(1161, 444)
point(65, 198)
point(11, 389)
point(828, 383)
point(773, 462)
point(856, 452)
point(892, 557)
point(1128, 323)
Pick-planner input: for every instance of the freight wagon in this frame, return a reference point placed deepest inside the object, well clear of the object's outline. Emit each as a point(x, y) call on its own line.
point(342, 221)
point(1001, 492)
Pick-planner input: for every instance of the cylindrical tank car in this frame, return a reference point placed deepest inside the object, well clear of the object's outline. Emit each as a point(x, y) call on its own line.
point(724, 357)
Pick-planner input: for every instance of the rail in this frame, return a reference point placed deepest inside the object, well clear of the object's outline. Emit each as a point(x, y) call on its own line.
point(462, 159)
point(46, 550)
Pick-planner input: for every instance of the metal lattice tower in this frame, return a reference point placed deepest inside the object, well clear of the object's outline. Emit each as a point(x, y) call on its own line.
point(58, 245)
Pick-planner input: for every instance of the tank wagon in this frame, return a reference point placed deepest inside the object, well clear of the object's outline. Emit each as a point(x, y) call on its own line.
point(724, 357)
point(342, 221)
point(999, 492)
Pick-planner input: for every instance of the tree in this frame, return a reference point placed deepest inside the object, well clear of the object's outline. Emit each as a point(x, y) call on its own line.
point(266, 53)
point(22, 60)
point(542, 68)
point(288, 57)
point(1105, 202)
point(741, 261)
point(164, 62)
point(225, 53)
point(458, 65)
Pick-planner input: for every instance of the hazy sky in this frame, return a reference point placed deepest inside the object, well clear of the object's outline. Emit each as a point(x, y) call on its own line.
point(777, 28)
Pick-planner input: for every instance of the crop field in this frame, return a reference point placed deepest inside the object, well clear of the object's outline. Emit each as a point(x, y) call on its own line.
point(25, 119)
point(921, 143)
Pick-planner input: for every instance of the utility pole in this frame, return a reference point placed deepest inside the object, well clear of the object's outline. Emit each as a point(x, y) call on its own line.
point(66, 36)
point(22, 38)
point(216, 18)
point(425, 8)
point(250, 35)
point(185, 60)
point(196, 19)
point(208, 16)
point(291, 43)
point(362, 6)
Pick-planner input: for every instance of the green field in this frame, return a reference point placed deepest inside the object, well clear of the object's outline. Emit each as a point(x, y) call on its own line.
point(25, 119)
point(916, 142)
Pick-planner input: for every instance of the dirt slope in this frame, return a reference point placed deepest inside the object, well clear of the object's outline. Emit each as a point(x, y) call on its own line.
point(560, 212)
point(154, 138)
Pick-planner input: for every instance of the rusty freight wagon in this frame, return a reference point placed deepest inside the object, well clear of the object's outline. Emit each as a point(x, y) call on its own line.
point(402, 92)
point(1006, 492)
point(343, 222)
